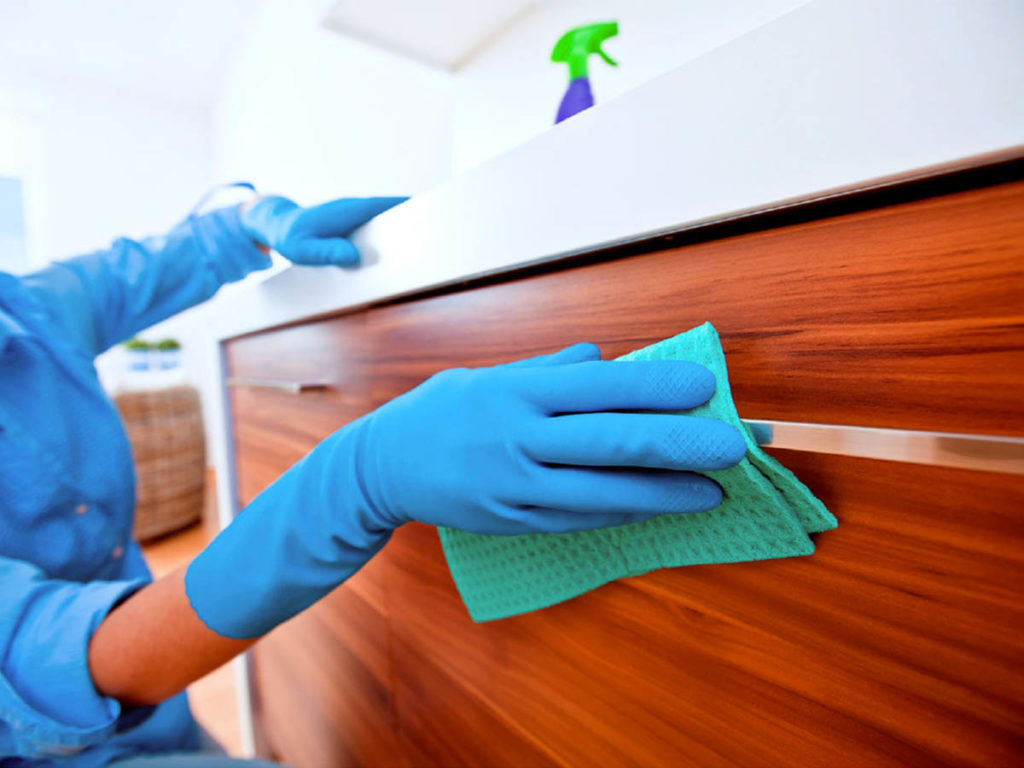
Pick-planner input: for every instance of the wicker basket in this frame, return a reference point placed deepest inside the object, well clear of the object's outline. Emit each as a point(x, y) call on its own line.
point(165, 428)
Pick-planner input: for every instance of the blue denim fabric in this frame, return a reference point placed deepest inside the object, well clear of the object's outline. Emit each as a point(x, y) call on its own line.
point(67, 485)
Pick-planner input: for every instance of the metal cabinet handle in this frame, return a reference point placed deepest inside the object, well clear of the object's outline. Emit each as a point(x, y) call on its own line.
point(944, 449)
point(282, 385)
point(980, 452)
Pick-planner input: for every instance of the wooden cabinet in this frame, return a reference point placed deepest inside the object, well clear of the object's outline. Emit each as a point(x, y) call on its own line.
point(344, 637)
point(326, 364)
point(898, 643)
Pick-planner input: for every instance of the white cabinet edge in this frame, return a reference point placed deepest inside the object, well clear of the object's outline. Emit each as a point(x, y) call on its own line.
point(833, 96)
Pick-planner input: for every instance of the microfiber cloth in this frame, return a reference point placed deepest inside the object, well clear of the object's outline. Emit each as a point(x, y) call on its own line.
point(766, 513)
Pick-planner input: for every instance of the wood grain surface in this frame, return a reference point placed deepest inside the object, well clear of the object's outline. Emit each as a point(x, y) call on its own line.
point(273, 429)
point(323, 679)
point(910, 316)
point(898, 643)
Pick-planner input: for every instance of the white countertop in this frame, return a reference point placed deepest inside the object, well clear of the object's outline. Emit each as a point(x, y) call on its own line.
point(834, 96)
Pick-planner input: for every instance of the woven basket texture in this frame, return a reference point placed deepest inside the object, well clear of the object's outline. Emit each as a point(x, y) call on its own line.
point(165, 428)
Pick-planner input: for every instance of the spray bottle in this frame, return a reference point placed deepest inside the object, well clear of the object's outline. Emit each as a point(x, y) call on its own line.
point(575, 47)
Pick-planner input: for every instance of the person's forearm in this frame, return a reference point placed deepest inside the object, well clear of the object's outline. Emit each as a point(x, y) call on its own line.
point(153, 645)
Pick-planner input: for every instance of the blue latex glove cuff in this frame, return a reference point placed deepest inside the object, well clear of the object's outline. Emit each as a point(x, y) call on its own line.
point(305, 534)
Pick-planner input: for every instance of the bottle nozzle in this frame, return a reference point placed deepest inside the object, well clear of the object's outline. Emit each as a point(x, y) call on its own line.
point(576, 45)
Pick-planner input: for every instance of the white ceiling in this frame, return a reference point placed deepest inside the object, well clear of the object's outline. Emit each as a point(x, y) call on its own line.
point(442, 33)
point(176, 50)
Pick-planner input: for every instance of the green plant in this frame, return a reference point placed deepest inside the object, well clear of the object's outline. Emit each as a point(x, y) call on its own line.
point(135, 344)
point(168, 345)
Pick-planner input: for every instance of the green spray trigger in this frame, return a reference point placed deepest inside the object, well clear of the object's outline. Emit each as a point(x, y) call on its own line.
point(576, 45)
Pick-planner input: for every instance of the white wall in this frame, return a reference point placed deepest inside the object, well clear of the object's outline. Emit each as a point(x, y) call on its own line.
point(97, 164)
point(310, 114)
point(314, 115)
point(511, 91)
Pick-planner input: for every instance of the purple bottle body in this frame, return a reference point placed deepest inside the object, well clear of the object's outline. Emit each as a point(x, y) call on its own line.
point(577, 98)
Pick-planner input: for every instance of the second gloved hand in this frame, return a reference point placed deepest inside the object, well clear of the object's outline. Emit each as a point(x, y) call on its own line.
point(314, 236)
point(559, 443)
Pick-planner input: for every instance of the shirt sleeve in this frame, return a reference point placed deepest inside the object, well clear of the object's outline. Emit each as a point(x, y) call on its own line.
point(48, 703)
point(105, 297)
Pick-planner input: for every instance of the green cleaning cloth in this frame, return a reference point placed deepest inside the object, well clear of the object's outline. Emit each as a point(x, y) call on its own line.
point(766, 513)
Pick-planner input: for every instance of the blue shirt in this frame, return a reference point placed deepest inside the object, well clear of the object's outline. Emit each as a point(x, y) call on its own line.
point(67, 486)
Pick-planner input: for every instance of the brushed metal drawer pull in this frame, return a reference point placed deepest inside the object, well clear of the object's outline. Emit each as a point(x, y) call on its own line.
point(282, 385)
point(944, 449)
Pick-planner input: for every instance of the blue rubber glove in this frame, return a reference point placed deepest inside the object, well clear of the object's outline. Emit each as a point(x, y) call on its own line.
point(314, 236)
point(550, 444)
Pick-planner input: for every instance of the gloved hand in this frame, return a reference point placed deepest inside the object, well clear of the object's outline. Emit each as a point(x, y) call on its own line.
point(313, 236)
point(542, 446)
point(550, 444)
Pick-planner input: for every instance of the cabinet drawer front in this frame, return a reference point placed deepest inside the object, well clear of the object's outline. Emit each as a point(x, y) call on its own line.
point(344, 637)
point(322, 681)
point(897, 643)
point(326, 352)
point(906, 317)
point(273, 427)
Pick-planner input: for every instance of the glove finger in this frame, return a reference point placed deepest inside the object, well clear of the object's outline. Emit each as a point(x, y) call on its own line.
point(577, 353)
point(526, 520)
point(339, 217)
point(653, 385)
point(623, 492)
point(320, 252)
point(650, 440)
